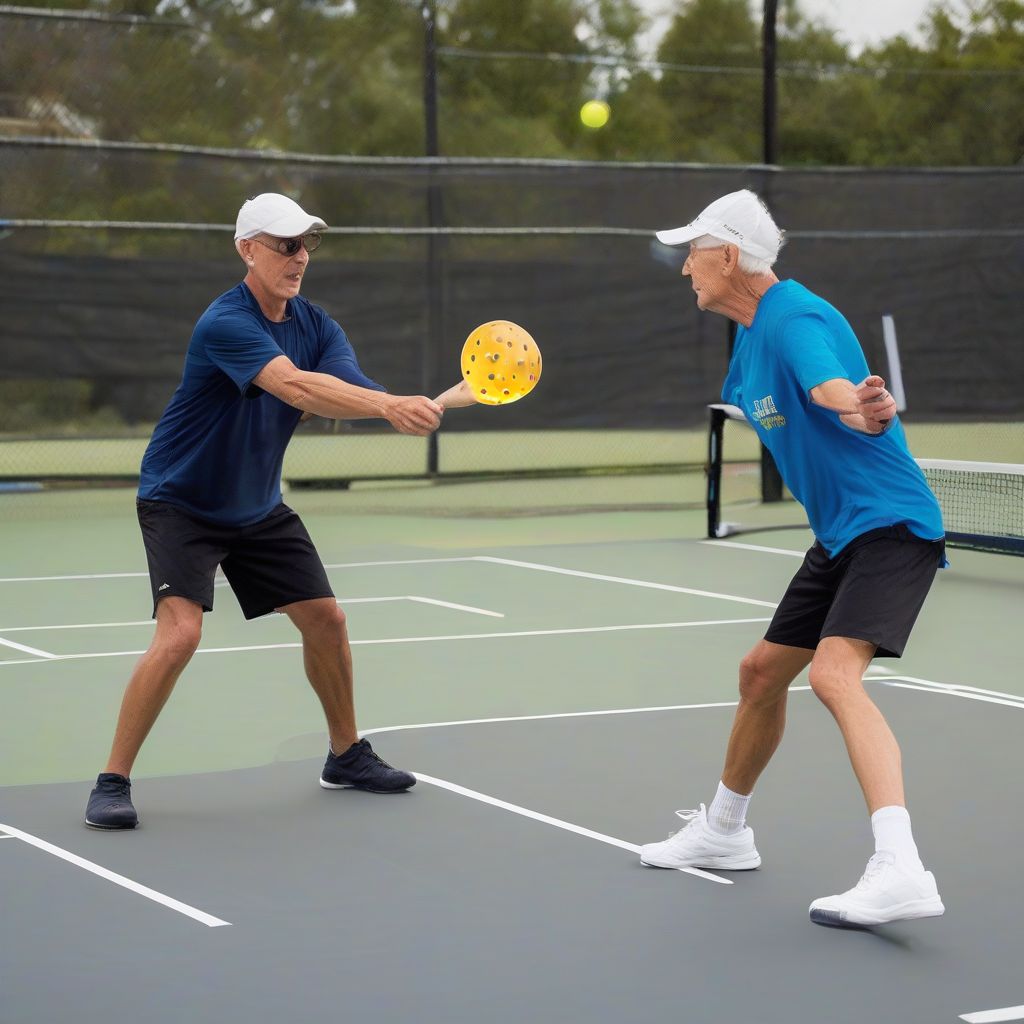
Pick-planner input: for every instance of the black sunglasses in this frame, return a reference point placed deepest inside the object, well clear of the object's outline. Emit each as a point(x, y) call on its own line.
point(290, 246)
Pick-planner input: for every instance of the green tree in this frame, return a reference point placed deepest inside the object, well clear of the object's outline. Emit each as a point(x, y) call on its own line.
point(713, 117)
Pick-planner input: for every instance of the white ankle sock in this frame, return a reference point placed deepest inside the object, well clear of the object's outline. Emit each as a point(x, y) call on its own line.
point(728, 811)
point(891, 827)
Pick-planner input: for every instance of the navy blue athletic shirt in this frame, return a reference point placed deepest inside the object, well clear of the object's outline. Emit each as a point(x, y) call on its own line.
point(848, 482)
point(219, 446)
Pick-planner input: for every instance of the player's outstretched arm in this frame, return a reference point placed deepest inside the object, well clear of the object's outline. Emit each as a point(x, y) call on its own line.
point(457, 397)
point(324, 395)
point(866, 407)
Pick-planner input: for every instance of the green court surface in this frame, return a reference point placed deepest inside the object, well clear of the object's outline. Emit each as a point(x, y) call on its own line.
point(556, 660)
point(465, 601)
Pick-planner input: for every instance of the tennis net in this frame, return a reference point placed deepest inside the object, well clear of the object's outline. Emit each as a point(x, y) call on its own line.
point(982, 502)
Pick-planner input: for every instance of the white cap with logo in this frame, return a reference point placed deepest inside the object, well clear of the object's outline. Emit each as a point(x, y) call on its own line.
point(740, 218)
point(274, 214)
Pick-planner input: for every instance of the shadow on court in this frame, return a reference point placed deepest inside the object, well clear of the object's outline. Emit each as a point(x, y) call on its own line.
point(436, 907)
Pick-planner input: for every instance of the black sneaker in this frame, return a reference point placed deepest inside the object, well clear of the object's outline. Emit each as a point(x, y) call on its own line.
point(110, 803)
point(360, 768)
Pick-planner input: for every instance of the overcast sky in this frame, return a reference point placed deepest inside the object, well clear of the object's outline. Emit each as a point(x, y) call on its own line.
point(859, 22)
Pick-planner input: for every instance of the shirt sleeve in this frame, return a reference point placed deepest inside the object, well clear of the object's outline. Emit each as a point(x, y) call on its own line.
point(338, 358)
point(237, 344)
point(807, 350)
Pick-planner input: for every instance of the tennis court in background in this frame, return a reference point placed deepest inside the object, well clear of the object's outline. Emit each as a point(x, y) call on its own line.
point(556, 659)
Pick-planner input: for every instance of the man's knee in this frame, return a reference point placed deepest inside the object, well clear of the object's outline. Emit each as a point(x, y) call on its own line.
point(831, 685)
point(760, 679)
point(179, 640)
point(837, 669)
point(322, 620)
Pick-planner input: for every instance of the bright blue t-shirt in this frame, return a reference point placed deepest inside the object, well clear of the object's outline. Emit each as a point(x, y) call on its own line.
point(848, 482)
point(218, 449)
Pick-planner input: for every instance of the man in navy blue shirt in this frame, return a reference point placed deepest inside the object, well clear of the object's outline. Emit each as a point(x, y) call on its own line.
point(798, 373)
point(261, 358)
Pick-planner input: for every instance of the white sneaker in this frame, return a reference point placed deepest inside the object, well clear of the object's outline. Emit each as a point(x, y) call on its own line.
point(697, 846)
point(888, 891)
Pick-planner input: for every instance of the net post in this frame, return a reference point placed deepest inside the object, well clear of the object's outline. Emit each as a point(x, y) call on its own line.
point(771, 479)
point(435, 218)
point(713, 468)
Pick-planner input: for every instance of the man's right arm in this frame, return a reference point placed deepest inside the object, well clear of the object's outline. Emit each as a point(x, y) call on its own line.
point(866, 407)
point(324, 395)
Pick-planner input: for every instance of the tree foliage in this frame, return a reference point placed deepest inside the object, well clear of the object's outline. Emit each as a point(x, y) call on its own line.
point(347, 77)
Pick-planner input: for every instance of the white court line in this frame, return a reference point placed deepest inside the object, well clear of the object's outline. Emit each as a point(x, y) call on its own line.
point(402, 640)
point(557, 714)
point(468, 558)
point(400, 561)
point(341, 600)
point(424, 600)
point(1017, 703)
point(624, 579)
point(994, 1016)
point(752, 547)
point(952, 687)
point(77, 625)
point(27, 650)
point(136, 575)
point(111, 876)
point(457, 607)
point(80, 576)
point(557, 822)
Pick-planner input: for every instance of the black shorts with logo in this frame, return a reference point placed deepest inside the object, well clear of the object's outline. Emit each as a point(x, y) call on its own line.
point(872, 590)
point(268, 564)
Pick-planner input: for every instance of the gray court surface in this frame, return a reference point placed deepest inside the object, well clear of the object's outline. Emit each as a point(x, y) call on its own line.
point(565, 682)
point(438, 906)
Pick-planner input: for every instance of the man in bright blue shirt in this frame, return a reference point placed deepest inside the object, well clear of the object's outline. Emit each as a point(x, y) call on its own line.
point(261, 359)
point(878, 530)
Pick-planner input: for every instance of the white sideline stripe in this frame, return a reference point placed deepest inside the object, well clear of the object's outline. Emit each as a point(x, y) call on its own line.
point(457, 607)
point(954, 693)
point(557, 822)
point(556, 632)
point(341, 600)
point(77, 625)
point(994, 1016)
point(955, 687)
point(136, 575)
point(80, 576)
point(400, 640)
point(401, 561)
point(624, 579)
point(558, 714)
point(752, 547)
point(27, 650)
point(151, 894)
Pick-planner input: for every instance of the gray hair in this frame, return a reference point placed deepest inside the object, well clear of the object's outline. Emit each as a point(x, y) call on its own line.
point(751, 265)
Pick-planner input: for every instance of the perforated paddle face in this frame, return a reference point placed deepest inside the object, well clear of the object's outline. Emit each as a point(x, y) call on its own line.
point(500, 362)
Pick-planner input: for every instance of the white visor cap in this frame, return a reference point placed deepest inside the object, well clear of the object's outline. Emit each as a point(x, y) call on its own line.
point(740, 218)
point(274, 214)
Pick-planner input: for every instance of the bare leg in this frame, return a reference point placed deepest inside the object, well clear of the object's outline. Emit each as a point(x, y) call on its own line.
point(765, 675)
point(179, 624)
point(328, 660)
point(836, 678)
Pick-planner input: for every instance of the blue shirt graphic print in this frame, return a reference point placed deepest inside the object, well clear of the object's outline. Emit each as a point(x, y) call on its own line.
point(219, 446)
point(848, 482)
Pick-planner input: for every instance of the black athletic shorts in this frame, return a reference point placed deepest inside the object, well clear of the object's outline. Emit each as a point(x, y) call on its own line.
point(872, 590)
point(268, 564)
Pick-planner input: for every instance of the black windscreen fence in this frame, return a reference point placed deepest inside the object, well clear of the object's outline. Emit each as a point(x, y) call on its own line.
point(109, 253)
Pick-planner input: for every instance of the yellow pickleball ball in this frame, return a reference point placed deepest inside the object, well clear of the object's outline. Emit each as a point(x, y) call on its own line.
point(500, 362)
point(595, 113)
